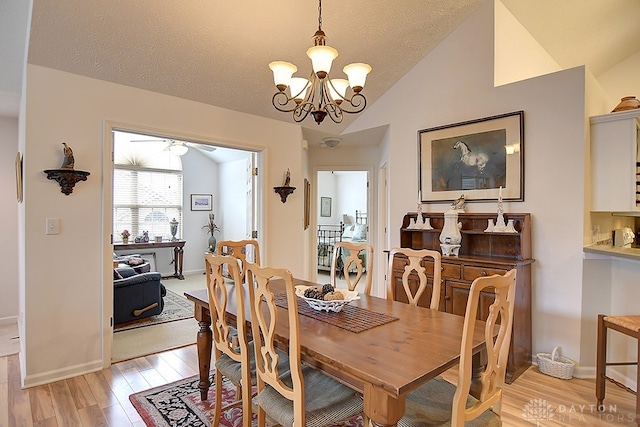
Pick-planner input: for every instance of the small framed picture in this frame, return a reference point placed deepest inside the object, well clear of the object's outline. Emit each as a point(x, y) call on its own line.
point(201, 202)
point(325, 206)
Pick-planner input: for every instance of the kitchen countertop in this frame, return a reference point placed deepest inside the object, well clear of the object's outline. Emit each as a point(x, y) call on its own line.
point(611, 251)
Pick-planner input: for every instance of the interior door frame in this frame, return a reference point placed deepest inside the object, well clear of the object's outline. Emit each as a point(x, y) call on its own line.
point(381, 258)
point(258, 189)
point(315, 209)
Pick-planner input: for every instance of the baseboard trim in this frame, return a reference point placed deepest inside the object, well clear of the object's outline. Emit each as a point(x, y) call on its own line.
point(585, 372)
point(62, 374)
point(589, 372)
point(11, 320)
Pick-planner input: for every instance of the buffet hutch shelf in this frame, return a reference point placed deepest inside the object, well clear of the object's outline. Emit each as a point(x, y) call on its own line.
point(481, 254)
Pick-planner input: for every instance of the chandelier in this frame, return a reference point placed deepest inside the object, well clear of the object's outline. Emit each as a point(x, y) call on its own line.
point(319, 95)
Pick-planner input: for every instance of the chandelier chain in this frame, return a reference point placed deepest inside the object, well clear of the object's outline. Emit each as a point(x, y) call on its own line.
point(320, 15)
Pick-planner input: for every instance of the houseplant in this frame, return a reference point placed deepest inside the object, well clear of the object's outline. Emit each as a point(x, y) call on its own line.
point(211, 228)
point(125, 236)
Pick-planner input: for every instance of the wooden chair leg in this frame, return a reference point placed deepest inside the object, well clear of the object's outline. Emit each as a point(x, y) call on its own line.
point(601, 362)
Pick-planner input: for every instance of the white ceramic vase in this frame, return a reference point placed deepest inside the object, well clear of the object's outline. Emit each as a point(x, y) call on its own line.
point(450, 237)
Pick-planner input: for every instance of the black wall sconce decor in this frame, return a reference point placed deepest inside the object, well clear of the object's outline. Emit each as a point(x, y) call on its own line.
point(285, 190)
point(66, 176)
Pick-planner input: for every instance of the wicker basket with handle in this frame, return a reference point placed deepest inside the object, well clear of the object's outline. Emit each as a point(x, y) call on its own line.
point(555, 365)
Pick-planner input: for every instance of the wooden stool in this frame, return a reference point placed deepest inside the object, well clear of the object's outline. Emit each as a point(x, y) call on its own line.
point(630, 326)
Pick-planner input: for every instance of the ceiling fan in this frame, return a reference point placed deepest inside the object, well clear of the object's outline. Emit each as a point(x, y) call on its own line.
point(178, 147)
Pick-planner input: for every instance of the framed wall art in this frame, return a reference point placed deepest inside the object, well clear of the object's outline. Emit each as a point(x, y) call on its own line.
point(307, 203)
point(474, 159)
point(325, 206)
point(201, 202)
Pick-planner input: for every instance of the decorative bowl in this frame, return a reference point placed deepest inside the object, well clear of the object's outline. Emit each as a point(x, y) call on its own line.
point(333, 305)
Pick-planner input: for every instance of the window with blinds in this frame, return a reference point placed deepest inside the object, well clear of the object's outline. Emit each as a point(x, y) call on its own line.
point(146, 200)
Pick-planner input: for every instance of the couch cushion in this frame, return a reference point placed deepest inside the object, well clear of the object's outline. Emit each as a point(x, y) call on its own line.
point(124, 272)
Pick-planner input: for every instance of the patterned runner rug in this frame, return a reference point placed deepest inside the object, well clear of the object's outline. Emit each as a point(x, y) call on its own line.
point(178, 405)
point(176, 307)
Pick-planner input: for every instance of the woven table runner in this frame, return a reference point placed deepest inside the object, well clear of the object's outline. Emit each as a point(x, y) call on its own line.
point(353, 319)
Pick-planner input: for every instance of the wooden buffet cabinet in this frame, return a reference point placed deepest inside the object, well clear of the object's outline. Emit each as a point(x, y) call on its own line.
point(481, 254)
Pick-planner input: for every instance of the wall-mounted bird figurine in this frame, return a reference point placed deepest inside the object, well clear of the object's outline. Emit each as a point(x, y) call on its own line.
point(458, 204)
point(287, 179)
point(68, 161)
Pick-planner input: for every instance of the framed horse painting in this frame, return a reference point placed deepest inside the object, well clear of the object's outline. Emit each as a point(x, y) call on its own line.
point(480, 159)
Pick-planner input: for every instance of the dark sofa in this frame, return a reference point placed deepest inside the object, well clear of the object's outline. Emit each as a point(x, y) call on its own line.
point(136, 296)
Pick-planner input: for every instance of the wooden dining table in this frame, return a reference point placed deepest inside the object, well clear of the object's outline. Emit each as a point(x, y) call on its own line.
point(384, 362)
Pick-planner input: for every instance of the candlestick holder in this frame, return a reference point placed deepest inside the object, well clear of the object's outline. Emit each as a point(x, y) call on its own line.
point(500, 226)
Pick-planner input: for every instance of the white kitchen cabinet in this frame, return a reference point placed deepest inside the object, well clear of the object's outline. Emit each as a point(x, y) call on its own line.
point(615, 162)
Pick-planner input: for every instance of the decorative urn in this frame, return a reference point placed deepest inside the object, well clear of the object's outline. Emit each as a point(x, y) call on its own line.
point(450, 237)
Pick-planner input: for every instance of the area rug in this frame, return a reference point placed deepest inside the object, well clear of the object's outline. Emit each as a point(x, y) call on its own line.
point(178, 405)
point(176, 307)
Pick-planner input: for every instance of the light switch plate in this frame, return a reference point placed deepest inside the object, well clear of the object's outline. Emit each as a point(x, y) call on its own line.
point(52, 226)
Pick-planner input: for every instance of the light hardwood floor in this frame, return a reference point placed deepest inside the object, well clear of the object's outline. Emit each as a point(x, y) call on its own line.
point(102, 398)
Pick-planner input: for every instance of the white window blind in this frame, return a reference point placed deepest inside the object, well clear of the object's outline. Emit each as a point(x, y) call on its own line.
point(146, 200)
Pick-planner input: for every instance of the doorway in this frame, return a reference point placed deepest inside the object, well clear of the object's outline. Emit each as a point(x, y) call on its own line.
point(221, 182)
point(342, 214)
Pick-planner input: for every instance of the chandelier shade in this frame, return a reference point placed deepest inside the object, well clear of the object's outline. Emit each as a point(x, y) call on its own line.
point(321, 59)
point(338, 89)
point(282, 72)
point(299, 88)
point(319, 95)
point(357, 74)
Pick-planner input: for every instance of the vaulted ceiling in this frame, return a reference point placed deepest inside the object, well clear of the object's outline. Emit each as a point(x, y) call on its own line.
point(217, 52)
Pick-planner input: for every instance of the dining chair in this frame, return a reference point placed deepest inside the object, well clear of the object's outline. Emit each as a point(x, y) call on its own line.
point(244, 250)
point(347, 255)
point(231, 347)
point(301, 396)
point(438, 402)
point(415, 263)
point(629, 326)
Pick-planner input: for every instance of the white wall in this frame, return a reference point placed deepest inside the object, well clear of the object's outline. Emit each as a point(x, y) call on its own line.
point(348, 192)
point(327, 187)
point(67, 277)
point(201, 175)
point(455, 83)
point(9, 218)
point(518, 55)
point(352, 195)
point(621, 80)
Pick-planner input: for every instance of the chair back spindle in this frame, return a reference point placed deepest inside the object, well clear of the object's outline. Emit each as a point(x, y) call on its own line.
point(230, 344)
point(415, 263)
point(244, 250)
point(492, 379)
point(350, 253)
point(281, 389)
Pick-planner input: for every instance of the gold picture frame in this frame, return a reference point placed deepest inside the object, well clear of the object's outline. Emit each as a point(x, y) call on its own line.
point(19, 177)
point(307, 203)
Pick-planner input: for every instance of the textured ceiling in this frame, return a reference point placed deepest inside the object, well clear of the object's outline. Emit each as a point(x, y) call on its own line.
point(217, 51)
